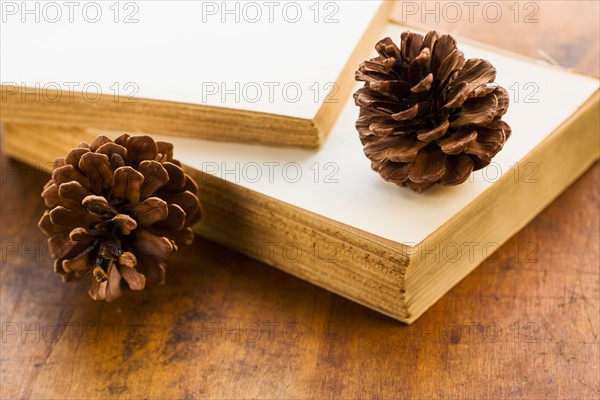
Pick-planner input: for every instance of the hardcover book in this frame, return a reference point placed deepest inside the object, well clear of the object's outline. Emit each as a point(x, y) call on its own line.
point(326, 217)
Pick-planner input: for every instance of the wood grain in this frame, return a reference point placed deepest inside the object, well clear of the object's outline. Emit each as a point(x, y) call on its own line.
point(525, 324)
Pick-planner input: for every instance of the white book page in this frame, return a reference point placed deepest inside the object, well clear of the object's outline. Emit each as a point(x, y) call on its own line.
point(278, 57)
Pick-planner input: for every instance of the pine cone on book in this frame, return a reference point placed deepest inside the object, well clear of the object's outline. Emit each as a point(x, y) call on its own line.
point(428, 116)
point(118, 210)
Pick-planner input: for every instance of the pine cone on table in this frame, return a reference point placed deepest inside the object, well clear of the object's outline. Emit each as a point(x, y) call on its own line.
point(428, 116)
point(118, 210)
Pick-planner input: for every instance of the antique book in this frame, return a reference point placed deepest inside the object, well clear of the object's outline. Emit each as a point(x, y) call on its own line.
point(267, 72)
point(326, 217)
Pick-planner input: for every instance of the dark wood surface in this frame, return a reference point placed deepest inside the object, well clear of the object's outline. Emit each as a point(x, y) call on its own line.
point(525, 324)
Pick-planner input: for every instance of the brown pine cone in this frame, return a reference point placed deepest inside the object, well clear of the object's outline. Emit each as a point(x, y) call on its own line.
point(118, 210)
point(426, 115)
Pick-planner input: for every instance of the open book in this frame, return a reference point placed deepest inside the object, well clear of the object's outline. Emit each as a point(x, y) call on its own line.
point(324, 216)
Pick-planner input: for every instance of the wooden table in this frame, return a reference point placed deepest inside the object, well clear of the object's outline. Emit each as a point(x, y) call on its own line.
point(525, 324)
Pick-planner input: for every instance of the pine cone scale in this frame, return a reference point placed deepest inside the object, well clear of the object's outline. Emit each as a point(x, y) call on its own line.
point(176, 181)
point(111, 148)
point(71, 195)
point(134, 279)
point(458, 141)
point(97, 168)
point(477, 111)
point(75, 155)
point(140, 148)
point(476, 73)
point(155, 176)
point(454, 61)
point(424, 85)
point(427, 167)
point(152, 245)
point(429, 135)
point(80, 262)
point(147, 212)
point(458, 169)
point(175, 219)
point(68, 173)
